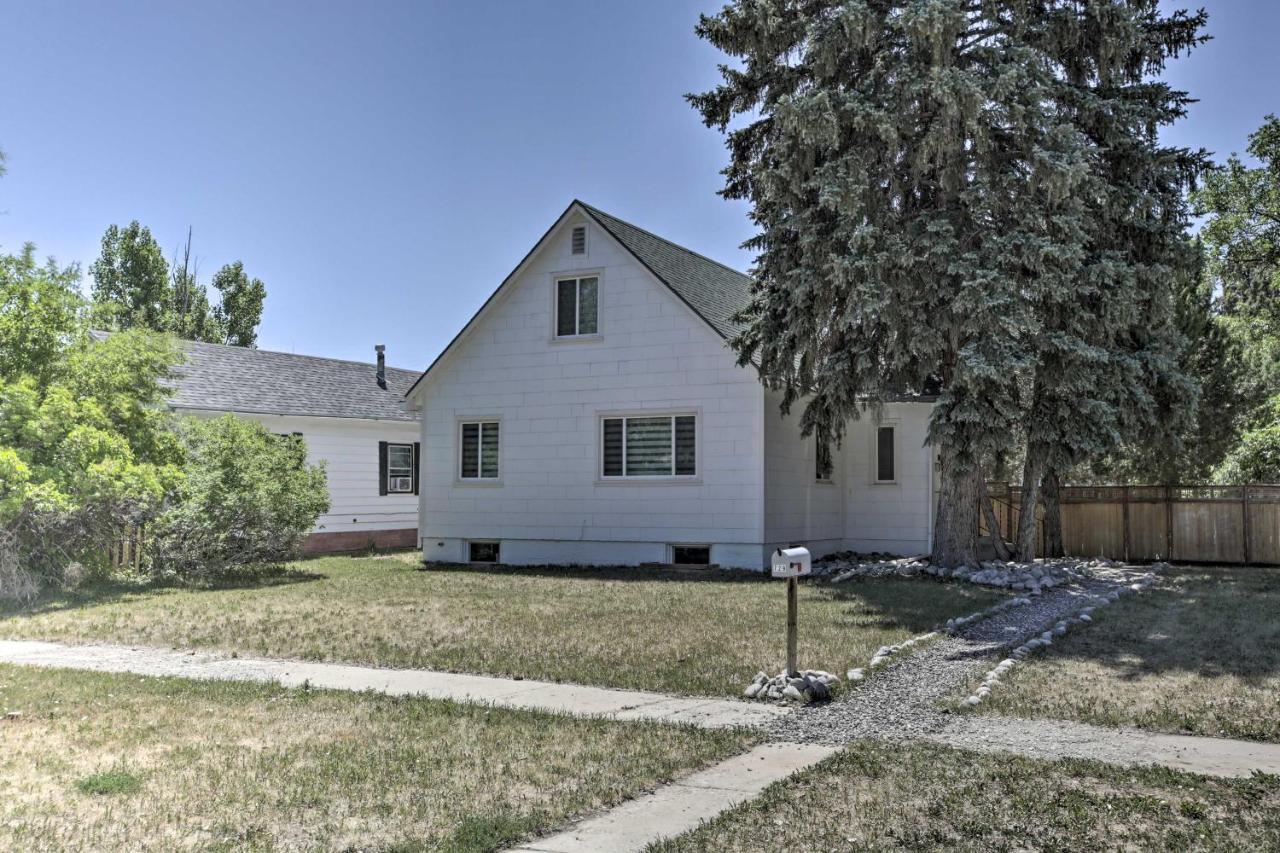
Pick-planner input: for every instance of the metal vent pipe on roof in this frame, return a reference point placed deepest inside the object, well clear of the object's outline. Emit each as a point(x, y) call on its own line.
point(381, 350)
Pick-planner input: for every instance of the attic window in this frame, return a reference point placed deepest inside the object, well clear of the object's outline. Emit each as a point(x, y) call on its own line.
point(578, 240)
point(577, 306)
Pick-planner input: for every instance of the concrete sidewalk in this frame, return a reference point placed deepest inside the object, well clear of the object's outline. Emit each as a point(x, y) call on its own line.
point(574, 699)
point(682, 805)
point(1054, 739)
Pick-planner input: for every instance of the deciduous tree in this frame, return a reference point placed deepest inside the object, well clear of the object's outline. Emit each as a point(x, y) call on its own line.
point(40, 314)
point(240, 309)
point(131, 287)
point(134, 287)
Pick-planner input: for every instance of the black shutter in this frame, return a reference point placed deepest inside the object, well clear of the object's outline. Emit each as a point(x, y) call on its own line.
point(382, 467)
point(417, 450)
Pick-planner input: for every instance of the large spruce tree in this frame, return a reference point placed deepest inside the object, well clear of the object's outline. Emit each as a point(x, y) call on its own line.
point(1108, 366)
point(926, 196)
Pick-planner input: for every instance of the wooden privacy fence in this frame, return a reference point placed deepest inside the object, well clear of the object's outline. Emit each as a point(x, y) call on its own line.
point(126, 551)
point(1194, 524)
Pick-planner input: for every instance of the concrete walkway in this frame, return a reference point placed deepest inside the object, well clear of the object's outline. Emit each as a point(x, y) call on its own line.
point(682, 805)
point(502, 692)
point(1054, 739)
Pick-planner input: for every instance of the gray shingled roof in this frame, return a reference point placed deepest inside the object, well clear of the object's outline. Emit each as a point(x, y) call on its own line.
point(235, 379)
point(714, 291)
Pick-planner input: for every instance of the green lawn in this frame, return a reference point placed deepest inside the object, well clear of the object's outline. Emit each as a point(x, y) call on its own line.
point(695, 632)
point(118, 762)
point(1199, 653)
point(878, 796)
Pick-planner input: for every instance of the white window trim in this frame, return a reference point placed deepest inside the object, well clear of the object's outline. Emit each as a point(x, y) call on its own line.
point(556, 278)
point(458, 479)
point(656, 479)
point(391, 476)
point(874, 473)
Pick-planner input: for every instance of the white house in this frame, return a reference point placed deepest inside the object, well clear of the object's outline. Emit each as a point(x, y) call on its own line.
point(592, 413)
point(350, 415)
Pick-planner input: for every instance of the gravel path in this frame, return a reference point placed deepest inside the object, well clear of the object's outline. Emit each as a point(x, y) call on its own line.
point(901, 701)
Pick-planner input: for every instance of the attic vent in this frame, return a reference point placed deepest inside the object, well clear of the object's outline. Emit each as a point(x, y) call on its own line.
point(579, 240)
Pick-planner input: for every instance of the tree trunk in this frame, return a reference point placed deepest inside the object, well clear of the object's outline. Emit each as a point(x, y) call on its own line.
point(1032, 472)
point(1052, 514)
point(955, 531)
point(993, 523)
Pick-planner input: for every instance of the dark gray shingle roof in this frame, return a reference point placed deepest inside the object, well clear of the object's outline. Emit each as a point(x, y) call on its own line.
point(235, 379)
point(714, 291)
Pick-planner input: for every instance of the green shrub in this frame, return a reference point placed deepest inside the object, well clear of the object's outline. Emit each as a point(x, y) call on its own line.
point(87, 451)
point(247, 499)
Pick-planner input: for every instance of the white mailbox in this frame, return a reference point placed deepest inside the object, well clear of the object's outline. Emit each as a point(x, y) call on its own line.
point(791, 563)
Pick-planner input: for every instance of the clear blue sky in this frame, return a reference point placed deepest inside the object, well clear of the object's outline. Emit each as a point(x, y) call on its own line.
point(382, 166)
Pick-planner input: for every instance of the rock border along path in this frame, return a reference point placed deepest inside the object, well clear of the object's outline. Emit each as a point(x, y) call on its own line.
point(574, 699)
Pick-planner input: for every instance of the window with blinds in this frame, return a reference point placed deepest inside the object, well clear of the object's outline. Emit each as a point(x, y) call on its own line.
point(649, 446)
point(577, 306)
point(479, 450)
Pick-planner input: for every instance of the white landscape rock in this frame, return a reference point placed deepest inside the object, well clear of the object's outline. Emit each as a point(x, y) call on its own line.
point(810, 685)
point(1084, 616)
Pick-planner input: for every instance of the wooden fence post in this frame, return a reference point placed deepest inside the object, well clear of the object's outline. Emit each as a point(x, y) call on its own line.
point(1008, 514)
point(1244, 526)
point(1125, 533)
point(1168, 524)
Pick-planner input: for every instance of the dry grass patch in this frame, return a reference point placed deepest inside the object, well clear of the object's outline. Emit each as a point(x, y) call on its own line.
point(116, 762)
point(1197, 654)
point(696, 632)
point(877, 796)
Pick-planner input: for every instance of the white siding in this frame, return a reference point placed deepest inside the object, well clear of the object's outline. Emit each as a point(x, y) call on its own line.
point(799, 509)
point(893, 517)
point(652, 355)
point(349, 447)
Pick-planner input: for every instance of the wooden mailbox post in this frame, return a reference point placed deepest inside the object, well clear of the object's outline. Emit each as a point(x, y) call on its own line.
point(792, 564)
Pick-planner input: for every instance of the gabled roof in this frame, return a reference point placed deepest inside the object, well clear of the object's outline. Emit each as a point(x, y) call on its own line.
point(237, 379)
point(712, 290)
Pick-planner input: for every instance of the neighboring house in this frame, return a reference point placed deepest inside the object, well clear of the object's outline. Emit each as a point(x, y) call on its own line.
point(351, 416)
point(592, 413)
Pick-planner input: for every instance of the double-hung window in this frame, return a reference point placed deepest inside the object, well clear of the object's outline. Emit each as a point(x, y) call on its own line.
point(399, 469)
point(478, 447)
point(577, 306)
point(649, 446)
